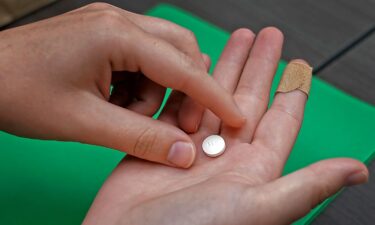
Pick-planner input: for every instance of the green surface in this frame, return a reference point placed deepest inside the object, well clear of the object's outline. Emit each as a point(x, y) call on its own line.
point(47, 182)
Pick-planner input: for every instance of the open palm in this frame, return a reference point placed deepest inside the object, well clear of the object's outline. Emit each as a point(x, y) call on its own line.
point(243, 186)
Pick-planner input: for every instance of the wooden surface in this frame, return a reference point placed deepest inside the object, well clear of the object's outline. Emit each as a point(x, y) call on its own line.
point(355, 206)
point(10, 9)
point(355, 71)
point(315, 31)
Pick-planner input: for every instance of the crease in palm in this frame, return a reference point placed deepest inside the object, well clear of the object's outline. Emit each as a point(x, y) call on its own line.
point(239, 186)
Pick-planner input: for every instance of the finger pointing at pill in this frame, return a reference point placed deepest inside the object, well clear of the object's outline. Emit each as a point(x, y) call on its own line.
point(79, 51)
point(169, 67)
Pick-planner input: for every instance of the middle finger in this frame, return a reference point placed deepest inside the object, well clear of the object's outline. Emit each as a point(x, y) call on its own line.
point(253, 89)
point(228, 71)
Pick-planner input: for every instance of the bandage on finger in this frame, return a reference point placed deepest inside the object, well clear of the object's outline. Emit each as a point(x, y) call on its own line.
point(296, 76)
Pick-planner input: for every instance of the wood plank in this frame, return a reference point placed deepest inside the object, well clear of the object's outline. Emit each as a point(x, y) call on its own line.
point(355, 206)
point(11, 10)
point(355, 72)
point(313, 30)
point(63, 6)
point(5, 15)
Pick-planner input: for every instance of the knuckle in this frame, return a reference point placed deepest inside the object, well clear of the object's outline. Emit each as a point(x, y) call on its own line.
point(320, 189)
point(108, 23)
point(110, 17)
point(288, 112)
point(184, 83)
point(105, 16)
point(188, 44)
point(246, 93)
point(99, 6)
point(145, 142)
point(187, 80)
point(189, 36)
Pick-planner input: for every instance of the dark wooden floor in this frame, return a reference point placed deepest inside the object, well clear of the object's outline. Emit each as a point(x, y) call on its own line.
point(314, 30)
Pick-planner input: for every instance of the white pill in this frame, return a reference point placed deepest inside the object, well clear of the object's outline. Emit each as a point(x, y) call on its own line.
point(213, 145)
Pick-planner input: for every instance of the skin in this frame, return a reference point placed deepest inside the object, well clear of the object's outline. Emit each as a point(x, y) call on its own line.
point(56, 76)
point(242, 186)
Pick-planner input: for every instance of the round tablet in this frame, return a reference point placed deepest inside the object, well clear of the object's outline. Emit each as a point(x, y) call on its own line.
point(213, 145)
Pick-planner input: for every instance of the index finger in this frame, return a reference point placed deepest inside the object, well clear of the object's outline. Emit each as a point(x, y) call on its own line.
point(169, 67)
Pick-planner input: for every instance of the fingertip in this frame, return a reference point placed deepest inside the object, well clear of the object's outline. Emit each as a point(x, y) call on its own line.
point(189, 122)
point(193, 156)
point(182, 154)
point(182, 151)
point(359, 174)
point(190, 115)
point(339, 164)
point(273, 32)
point(236, 118)
point(207, 61)
point(271, 37)
point(352, 171)
point(236, 121)
point(240, 121)
point(243, 34)
point(356, 178)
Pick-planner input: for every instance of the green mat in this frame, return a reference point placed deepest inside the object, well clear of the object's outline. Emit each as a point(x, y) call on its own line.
point(47, 182)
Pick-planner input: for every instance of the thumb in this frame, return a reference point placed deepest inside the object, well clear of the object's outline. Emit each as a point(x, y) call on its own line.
point(294, 195)
point(111, 126)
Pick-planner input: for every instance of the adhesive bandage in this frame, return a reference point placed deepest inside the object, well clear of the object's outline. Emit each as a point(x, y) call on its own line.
point(296, 76)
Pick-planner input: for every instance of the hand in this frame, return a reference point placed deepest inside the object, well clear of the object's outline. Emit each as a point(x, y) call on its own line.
point(55, 78)
point(243, 186)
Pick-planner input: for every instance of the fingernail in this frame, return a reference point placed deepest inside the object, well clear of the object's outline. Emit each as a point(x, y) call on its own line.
point(181, 154)
point(357, 178)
